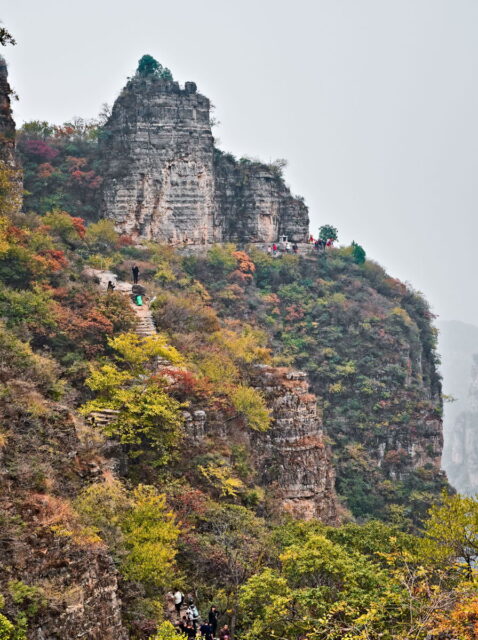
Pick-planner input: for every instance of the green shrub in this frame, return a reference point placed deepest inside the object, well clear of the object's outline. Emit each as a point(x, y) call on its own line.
point(250, 404)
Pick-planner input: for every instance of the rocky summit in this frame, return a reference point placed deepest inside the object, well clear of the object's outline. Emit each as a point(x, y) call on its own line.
point(164, 180)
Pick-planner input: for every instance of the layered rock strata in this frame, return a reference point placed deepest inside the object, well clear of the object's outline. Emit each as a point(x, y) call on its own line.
point(291, 459)
point(44, 466)
point(164, 180)
point(7, 139)
point(292, 454)
point(7, 124)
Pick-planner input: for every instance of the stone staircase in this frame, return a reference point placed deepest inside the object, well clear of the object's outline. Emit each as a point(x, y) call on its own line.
point(145, 326)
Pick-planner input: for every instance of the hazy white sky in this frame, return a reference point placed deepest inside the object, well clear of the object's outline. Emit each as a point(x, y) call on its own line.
point(374, 103)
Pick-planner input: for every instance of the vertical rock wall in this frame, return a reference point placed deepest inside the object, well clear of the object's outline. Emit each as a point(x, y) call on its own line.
point(158, 154)
point(462, 467)
point(291, 459)
point(293, 454)
point(7, 138)
point(7, 124)
point(44, 466)
point(165, 181)
point(256, 205)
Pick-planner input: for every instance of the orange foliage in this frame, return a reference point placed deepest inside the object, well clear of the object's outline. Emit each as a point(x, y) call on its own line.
point(294, 312)
point(461, 621)
point(240, 277)
point(86, 178)
point(78, 317)
point(55, 259)
point(125, 241)
point(189, 503)
point(45, 170)
point(184, 384)
point(244, 263)
point(51, 510)
point(79, 225)
point(75, 164)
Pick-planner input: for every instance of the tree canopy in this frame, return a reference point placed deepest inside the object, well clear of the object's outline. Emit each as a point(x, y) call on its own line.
point(149, 66)
point(328, 232)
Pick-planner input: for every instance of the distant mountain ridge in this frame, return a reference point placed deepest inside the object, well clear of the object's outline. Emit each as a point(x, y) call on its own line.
point(458, 343)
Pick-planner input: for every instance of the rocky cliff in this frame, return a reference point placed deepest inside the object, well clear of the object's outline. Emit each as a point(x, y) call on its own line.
point(291, 460)
point(7, 124)
point(462, 445)
point(164, 180)
point(458, 343)
point(7, 141)
point(69, 581)
point(56, 582)
point(368, 346)
point(293, 454)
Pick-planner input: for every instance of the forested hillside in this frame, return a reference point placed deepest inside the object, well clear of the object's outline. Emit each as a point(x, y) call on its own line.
point(261, 432)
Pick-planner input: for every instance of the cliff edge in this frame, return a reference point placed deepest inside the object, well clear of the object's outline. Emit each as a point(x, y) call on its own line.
point(164, 180)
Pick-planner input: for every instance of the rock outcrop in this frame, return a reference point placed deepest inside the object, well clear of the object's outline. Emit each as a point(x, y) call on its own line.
point(7, 139)
point(164, 180)
point(462, 464)
point(293, 454)
point(291, 460)
point(44, 465)
point(7, 124)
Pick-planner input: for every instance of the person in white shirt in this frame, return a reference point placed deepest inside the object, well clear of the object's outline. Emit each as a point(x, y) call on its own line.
point(178, 597)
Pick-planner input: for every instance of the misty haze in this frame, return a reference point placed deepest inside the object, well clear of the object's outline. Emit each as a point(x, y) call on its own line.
point(238, 320)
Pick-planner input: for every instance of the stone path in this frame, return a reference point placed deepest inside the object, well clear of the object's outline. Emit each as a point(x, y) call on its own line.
point(144, 328)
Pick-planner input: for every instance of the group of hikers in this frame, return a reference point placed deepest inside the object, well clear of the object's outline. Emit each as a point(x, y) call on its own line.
point(284, 246)
point(137, 298)
point(275, 250)
point(320, 244)
point(190, 623)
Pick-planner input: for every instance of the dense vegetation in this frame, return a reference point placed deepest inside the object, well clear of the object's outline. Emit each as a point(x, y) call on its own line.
point(194, 516)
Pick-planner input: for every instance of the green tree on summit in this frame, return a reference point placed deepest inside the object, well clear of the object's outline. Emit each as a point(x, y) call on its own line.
point(149, 66)
point(328, 232)
point(358, 253)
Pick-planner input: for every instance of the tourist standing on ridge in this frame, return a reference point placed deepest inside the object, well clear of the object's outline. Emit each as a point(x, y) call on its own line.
point(135, 271)
point(110, 286)
point(295, 248)
point(213, 615)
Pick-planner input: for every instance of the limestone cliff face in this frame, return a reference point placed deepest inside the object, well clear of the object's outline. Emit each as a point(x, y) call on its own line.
point(44, 465)
point(256, 205)
point(7, 124)
point(462, 467)
point(293, 454)
point(291, 460)
point(7, 138)
point(164, 180)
